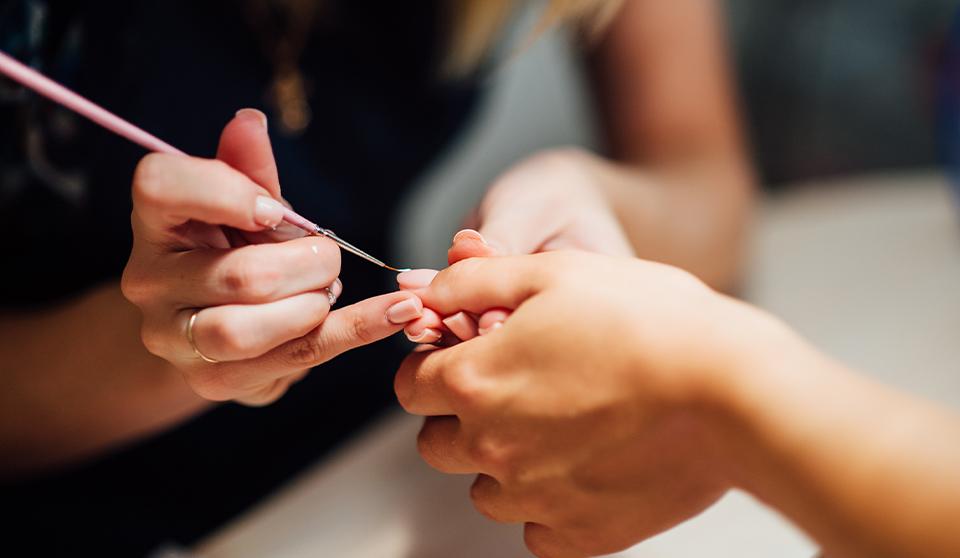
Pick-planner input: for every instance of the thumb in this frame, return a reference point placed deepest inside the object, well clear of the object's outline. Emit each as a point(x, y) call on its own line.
point(516, 229)
point(469, 243)
point(245, 146)
point(480, 284)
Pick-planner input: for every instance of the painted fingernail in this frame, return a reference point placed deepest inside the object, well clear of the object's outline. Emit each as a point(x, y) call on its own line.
point(461, 325)
point(268, 212)
point(253, 113)
point(428, 336)
point(416, 279)
point(494, 327)
point(468, 234)
point(406, 311)
point(337, 287)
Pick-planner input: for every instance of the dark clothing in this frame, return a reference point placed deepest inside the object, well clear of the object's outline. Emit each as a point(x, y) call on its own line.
point(180, 69)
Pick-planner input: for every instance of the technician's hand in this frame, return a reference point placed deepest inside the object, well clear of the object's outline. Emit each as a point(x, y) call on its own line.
point(587, 414)
point(259, 300)
point(551, 201)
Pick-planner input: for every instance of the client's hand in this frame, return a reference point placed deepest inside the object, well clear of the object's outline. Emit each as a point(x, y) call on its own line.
point(551, 201)
point(241, 309)
point(589, 413)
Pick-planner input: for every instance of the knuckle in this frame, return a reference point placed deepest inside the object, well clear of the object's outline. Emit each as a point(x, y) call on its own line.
point(462, 383)
point(250, 278)
point(535, 537)
point(483, 499)
point(360, 328)
point(134, 286)
point(210, 384)
point(491, 454)
point(148, 180)
point(266, 395)
point(403, 385)
point(427, 444)
point(225, 337)
point(306, 351)
point(153, 340)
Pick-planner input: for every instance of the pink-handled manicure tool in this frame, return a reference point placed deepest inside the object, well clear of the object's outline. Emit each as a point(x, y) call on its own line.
point(42, 85)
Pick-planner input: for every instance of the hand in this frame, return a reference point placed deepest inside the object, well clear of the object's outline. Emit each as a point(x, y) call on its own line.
point(590, 414)
point(204, 243)
point(551, 201)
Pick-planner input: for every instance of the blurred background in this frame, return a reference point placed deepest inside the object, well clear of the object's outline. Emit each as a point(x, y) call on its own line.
point(828, 88)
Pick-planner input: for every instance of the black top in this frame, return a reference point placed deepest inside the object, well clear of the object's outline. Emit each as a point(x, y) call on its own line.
point(180, 69)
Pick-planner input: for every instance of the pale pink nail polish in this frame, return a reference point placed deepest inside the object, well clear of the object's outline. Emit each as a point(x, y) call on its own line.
point(462, 325)
point(406, 311)
point(428, 336)
point(468, 234)
point(253, 113)
point(493, 327)
point(268, 212)
point(416, 279)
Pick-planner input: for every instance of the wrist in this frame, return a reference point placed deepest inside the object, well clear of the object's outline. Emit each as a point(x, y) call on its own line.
point(749, 389)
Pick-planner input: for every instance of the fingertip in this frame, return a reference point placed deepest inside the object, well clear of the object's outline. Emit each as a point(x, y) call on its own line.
point(416, 279)
point(253, 116)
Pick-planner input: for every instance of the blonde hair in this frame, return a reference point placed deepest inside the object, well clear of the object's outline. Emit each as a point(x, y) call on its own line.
point(476, 23)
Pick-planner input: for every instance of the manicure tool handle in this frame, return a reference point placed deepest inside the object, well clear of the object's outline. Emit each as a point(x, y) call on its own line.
point(42, 85)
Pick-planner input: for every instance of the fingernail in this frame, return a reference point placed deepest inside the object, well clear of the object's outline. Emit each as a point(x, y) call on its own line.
point(428, 336)
point(334, 291)
point(416, 279)
point(406, 311)
point(461, 325)
point(468, 234)
point(253, 113)
point(268, 213)
point(494, 327)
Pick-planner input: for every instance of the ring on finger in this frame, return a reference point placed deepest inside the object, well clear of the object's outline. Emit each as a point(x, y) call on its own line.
point(193, 341)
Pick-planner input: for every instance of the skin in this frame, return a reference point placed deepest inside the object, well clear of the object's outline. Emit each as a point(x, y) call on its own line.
point(678, 186)
point(268, 326)
point(672, 395)
point(199, 244)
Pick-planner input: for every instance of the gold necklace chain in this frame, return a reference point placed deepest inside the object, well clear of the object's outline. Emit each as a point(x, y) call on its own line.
point(283, 28)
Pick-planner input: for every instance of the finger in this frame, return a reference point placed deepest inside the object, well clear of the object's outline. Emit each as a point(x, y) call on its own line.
point(418, 383)
point(169, 190)
point(350, 327)
point(450, 381)
point(463, 325)
point(240, 332)
point(469, 243)
point(480, 284)
point(492, 320)
point(442, 446)
point(545, 542)
point(416, 279)
point(245, 146)
point(252, 274)
point(427, 329)
point(491, 500)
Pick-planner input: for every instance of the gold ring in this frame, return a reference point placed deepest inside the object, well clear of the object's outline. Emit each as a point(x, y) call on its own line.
point(193, 341)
